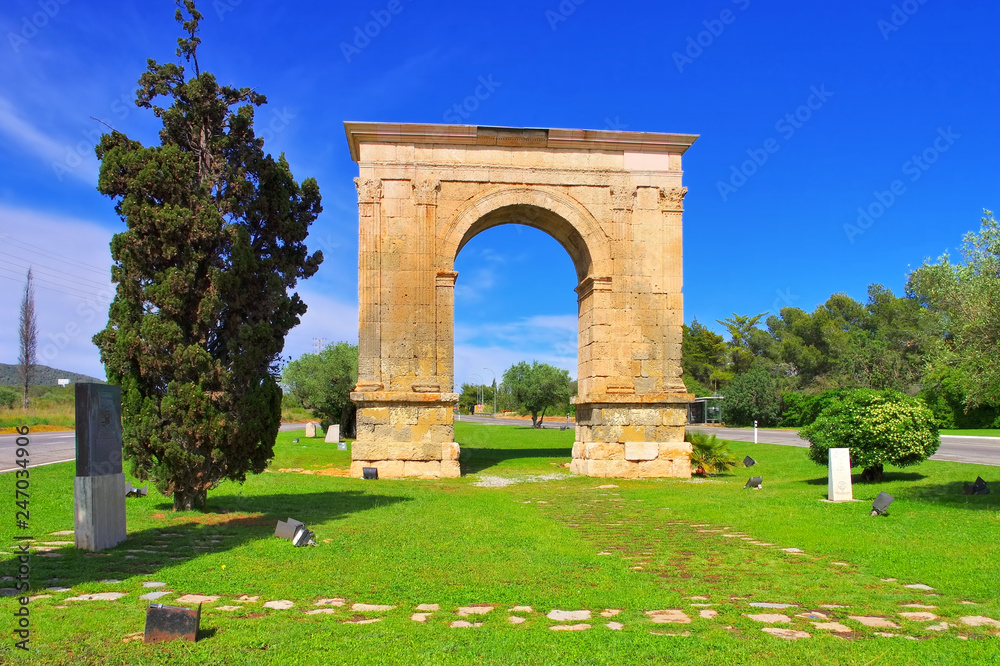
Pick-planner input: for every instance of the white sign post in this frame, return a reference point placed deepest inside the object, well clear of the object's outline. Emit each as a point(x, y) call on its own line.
point(839, 476)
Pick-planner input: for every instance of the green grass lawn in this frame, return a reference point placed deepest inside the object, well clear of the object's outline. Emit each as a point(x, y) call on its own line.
point(533, 535)
point(981, 432)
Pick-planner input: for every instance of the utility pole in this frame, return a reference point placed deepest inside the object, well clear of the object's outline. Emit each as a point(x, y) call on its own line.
point(494, 392)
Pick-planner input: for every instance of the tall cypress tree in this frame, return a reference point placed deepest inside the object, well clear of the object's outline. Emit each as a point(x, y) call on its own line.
point(214, 244)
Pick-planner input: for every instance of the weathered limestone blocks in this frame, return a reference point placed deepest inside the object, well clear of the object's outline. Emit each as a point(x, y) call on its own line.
point(631, 441)
point(405, 434)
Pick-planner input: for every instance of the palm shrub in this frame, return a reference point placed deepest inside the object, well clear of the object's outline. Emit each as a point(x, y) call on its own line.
point(879, 428)
point(709, 454)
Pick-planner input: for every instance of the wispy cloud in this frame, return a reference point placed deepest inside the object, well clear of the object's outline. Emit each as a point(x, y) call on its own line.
point(548, 339)
point(42, 146)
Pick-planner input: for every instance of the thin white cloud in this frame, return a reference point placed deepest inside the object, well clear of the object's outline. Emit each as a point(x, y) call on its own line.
point(548, 339)
point(328, 319)
point(63, 159)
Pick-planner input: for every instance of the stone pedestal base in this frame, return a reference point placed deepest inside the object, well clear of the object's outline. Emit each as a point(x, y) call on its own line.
point(405, 434)
point(632, 438)
point(100, 511)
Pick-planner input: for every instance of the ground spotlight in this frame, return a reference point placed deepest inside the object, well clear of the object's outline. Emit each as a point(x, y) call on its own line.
point(755, 482)
point(880, 506)
point(370, 472)
point(977, 488)
point(303, 537)
point(749, 462)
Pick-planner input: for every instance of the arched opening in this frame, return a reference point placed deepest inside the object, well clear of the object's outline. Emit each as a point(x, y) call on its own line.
point(514, 301)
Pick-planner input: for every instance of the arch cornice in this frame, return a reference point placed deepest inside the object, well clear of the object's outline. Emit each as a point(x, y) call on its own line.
point(556, 213)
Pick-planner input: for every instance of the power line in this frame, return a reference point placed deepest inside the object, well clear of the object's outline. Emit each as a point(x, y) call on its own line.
point(55, 255)
point(52, 272)
point(20, 280)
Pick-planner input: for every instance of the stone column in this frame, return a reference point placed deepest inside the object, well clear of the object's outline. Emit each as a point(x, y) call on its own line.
point(632, 406)
point(405, 426)
point(369, 283)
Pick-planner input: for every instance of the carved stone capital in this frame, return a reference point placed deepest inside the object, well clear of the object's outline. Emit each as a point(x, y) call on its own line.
point(425, 191)
point(672, 199)
point(369, 189)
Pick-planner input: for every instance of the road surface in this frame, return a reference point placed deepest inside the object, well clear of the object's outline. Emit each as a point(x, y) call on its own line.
point(954, 448)
point(46, 448)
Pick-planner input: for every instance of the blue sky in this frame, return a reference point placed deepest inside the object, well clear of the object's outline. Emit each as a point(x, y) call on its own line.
point(807, 113)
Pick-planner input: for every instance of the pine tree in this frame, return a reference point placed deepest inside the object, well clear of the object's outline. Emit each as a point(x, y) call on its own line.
point(214, 243)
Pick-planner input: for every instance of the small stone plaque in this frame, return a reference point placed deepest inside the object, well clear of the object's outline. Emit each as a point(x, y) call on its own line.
point(341, 446)
point(839, 487)
point(167, 623)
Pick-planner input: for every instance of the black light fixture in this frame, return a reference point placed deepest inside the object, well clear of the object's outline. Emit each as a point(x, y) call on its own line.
point(749, 462)
point(880, 506)
point(137, 492)
point(369, 472)
point(977, 488)
point(755, 482)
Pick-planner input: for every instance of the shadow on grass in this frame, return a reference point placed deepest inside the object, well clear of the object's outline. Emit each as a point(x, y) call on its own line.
point(229, 522)
point(886, 477)
point(474, 460)
point(952, 495)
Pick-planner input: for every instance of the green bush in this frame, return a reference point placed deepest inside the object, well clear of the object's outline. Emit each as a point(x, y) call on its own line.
point(879, 428)
point(753, 396)
point(9, 398)
point(710, 454)
point(801, 409)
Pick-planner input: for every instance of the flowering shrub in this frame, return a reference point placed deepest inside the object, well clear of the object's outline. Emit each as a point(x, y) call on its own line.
point(879, 427)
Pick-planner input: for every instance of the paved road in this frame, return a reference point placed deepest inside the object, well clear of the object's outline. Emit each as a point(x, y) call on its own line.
point(46, 448)
point(954, 448)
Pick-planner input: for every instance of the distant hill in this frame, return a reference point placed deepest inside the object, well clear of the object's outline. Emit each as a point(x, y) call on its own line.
point(44, 375)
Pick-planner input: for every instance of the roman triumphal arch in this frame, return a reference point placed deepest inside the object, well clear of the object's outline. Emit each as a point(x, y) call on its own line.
point(614, 200)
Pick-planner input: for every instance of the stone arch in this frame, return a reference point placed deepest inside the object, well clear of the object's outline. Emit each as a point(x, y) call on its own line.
point(613, 200)
point(557, 214)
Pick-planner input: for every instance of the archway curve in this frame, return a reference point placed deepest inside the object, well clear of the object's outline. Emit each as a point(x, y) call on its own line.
point(555, 213)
